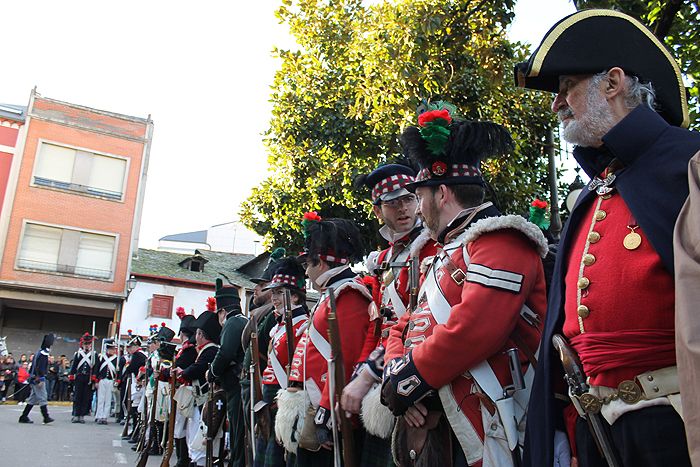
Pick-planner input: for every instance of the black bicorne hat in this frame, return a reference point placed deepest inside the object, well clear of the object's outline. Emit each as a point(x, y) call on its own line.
point(593, 41)
point(209, 323)
point(387, 182)
point(332, 240)
point(165, 334)
point(269, 271)
point(227, 297)
point(289, 273)
point(110, 344)
point(134, 341)
point(449, 151)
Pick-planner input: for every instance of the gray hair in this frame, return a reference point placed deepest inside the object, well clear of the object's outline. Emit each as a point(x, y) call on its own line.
point(636, 92)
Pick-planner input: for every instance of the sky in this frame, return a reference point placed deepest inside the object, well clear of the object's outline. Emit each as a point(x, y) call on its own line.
point(202, 73)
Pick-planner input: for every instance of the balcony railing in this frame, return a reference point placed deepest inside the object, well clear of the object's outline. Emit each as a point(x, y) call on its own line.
point(47, 182)
point(63, 269)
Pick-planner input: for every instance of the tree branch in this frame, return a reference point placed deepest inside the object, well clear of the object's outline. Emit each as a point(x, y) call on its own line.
point(665, 21)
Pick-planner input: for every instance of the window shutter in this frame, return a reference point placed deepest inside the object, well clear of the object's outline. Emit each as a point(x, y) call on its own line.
point(161, 306)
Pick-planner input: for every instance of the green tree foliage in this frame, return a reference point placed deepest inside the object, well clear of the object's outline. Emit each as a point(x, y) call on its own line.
point(675, 22)
point(342, 98)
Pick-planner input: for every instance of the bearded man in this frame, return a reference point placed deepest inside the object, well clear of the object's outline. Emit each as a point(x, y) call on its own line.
point(621, 101)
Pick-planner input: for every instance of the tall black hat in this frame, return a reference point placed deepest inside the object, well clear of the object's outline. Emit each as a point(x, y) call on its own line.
point(332, 240)
point(186, 321)
point(593, 41)
point(48, 340)
point(133, 340)
point(227, 297)
point(387, 182)
point(449, 151)
point(269, 271)
point(209, 323)
point(165, 334)
point(86, 338)
point(110, 344)
point(289, 273)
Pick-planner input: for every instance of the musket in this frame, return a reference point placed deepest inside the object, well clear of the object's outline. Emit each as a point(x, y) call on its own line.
point(171, 422)
point(413, 282)
point(152, 432)
point(251, 371)
point(576, 379)
point(289, 329)
point(209, 420)
point(256, 401)
point(126, 404)
point(336, 378)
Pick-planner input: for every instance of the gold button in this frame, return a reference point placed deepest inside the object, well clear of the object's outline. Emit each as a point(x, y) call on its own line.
point(600, 215)
point(593, 237)
point(583, 311)
point(588, 259)
point(583, 283)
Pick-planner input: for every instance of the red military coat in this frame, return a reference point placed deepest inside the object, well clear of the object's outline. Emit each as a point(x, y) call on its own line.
point(277, 355)
point(310, 363)
point(501, 271)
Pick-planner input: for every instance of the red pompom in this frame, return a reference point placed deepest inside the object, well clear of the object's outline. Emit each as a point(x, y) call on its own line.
point(180, 312)
point(211, 304)
point(538, 203)
point(427, 117)
point(162, 325)
point(312, 216)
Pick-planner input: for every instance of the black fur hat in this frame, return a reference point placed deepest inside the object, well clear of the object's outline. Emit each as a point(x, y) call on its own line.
point(332, 240)
point(449, 151)
point(289, 273)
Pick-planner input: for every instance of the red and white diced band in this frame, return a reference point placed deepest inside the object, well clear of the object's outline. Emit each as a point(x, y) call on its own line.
point(389, 184)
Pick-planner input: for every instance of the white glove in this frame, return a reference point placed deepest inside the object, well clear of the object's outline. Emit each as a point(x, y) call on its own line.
point(562, 451)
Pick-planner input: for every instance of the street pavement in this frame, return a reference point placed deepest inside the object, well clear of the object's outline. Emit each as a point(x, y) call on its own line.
point(62, 443)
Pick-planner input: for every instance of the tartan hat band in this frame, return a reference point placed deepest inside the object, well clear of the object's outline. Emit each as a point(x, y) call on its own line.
point(392, 183)
point(441, 170)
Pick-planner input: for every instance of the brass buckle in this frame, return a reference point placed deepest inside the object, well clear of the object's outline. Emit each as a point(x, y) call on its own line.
point(458, 276)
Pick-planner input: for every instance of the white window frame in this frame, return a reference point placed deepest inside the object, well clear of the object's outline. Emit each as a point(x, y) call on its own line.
point(42, 141)
point(115, 252)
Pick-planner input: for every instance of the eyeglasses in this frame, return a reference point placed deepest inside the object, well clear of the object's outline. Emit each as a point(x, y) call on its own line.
point(407, 200)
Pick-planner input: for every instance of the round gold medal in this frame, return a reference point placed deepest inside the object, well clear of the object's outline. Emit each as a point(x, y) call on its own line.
point(632, 241)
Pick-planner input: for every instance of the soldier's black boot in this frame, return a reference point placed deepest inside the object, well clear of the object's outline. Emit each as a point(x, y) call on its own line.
point(45, 413)
point(183, 458)
point(156, 449)
point(24, 418)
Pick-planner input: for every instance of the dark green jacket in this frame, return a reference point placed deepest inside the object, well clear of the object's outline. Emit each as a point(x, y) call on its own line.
point(229, 359)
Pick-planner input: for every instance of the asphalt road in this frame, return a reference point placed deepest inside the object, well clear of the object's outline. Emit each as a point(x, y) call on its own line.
point(62, 443)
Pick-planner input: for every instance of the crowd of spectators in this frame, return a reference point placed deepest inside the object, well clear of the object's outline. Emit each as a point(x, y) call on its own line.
point(14, 378)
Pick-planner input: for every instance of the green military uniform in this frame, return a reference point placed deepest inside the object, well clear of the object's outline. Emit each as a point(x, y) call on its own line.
point(227, 363)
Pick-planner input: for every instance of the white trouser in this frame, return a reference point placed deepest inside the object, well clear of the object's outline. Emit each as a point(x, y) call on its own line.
point(104, 398)
point(181, 423)
point(198, 452)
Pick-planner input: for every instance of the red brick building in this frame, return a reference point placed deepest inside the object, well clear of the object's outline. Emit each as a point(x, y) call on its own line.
point(69, 221)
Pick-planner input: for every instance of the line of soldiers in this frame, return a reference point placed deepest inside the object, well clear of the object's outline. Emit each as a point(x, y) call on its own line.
point(451, 351)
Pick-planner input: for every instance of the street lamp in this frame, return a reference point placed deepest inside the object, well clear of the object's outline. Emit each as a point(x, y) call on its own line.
point(130, 285)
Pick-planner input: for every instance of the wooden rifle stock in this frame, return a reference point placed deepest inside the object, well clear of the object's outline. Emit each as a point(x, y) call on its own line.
point(146, 446)
point(127, 408)
point(348, 443)
point(171, 422)
point(262, 420)
point(413, 282)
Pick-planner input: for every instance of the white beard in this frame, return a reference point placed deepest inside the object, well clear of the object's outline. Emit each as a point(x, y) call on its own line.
point(588, 128)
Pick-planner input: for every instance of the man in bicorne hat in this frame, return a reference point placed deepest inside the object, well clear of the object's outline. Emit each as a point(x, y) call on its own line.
point(621, 102)
point(83, 375)
point(208, 331)
point(106, 372)
point(226, 367)
point(137, 360)
point(40, 367)
point(479, 309)
point(395, 207)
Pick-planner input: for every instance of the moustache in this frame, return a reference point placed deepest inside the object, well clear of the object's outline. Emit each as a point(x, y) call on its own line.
point(564, 114)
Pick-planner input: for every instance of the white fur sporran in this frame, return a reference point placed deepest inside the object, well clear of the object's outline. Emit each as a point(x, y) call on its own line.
point(376, 417)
